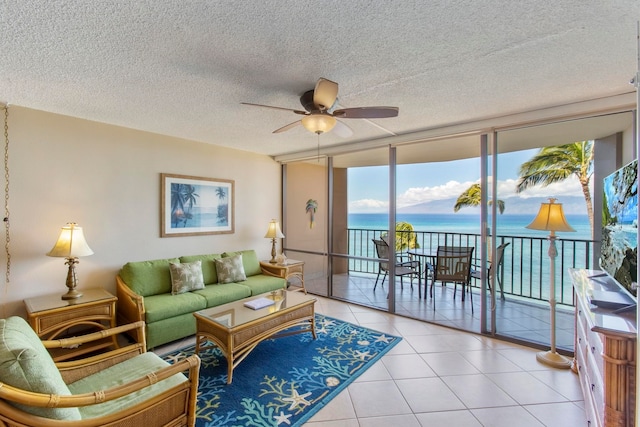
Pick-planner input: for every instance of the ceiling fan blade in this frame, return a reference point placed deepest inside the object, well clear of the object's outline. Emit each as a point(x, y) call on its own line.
point(342, 130)
point(366, 112)
point(275, 108)
point(325, 94)
point(287, 127)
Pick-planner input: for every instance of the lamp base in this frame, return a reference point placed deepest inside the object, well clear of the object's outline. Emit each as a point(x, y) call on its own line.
point(554, 360)
point(72, 294)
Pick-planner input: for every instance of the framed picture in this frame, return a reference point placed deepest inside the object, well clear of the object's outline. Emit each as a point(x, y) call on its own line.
point(193, 206)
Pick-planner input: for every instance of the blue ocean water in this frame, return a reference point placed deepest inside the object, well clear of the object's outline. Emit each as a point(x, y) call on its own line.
point(507, 225)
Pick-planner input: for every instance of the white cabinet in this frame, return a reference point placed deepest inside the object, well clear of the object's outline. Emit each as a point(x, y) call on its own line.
point(605, 353)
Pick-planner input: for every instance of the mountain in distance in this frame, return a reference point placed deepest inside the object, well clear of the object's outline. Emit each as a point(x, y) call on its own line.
point(571, 205)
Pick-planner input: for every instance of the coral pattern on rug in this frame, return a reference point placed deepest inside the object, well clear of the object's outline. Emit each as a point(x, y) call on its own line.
point(285, 381)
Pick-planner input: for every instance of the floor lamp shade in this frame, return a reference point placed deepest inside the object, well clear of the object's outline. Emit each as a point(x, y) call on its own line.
point(71, 244)
point(551, 218)
point(273, 233)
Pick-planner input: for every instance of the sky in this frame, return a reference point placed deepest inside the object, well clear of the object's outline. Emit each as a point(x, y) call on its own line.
point(368, 187)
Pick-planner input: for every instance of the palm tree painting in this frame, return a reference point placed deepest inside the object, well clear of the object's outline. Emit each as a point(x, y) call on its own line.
point(556, 164)
point(183, 199)
point(194, 205)
point(471, 197)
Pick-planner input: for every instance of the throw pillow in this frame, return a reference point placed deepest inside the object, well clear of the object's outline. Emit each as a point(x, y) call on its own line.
point(230, 269)
point(186, 277)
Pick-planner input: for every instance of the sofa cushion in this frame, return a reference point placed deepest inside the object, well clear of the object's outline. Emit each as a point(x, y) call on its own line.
point(186, 277)
point(120, 374)
point(224, 293)
point(262, 283)
point(250, 261)
point(164, 306)
point(26, 364)
point(148, 277)
point(230, 269)
point(209, 273)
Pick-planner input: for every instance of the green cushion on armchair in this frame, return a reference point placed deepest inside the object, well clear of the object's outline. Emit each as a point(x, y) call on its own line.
point(26, 364)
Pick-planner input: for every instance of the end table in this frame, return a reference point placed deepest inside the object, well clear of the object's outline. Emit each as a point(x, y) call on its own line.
point(291, 269)
point(52, 317)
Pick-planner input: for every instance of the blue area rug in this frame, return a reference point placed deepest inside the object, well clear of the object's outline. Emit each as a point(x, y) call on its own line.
point(285, 381)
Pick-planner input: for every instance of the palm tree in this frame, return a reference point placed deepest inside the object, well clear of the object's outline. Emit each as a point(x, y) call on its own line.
point(471, 197)
point(183, 197)
point(406, 238)
point(555, 164)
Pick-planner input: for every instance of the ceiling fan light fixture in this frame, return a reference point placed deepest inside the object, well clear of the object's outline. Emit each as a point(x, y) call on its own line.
point(318, 123)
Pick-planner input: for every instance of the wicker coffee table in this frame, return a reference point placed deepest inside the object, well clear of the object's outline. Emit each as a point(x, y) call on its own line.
point(237, 329)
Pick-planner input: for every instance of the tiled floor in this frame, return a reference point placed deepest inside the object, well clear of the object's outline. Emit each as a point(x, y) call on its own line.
point(516, 318)
point(438, 376)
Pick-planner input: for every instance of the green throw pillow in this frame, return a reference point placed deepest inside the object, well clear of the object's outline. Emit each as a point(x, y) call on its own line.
point(230, 269)
point(186, 277)
point(26, 364)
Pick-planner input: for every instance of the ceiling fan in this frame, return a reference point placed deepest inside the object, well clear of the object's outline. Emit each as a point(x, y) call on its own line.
point(319, 116)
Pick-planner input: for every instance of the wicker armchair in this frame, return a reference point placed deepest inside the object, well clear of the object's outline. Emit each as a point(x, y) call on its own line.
point(123, 387)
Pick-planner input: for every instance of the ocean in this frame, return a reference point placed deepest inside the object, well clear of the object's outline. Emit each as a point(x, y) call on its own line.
point(507, 225)
point(528, 258)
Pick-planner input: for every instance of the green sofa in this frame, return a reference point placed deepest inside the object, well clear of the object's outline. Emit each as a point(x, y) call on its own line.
point(165, 299)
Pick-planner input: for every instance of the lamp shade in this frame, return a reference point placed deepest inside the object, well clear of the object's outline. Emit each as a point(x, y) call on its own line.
point(318, 123)
point(71, 243)
point(550, 218)
point(274, 231)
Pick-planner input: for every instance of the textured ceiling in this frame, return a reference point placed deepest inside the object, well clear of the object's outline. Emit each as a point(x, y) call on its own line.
point(182, 68)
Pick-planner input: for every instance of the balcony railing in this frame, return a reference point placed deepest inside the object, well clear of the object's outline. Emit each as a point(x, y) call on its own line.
point(525, 271)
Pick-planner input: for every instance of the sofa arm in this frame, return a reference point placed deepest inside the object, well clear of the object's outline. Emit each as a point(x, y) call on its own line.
point(130, 305)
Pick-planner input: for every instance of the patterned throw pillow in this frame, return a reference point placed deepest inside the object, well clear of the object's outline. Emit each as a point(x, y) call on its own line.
point(186, 277)
point(230, 269)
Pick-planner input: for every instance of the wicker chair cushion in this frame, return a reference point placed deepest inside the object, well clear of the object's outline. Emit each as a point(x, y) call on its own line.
point(230, 269)
point(209, 273)
point(148, 277)
point(250, 261)
point(26, 364)
point(186, 277)
point(120, 374)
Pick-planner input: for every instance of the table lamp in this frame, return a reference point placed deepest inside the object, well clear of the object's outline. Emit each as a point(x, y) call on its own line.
point(71, 245)
point(551, 218)
point(274, 233)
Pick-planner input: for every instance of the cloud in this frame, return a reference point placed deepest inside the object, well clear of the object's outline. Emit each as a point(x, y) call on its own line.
point(368, 206)
point(452, 189)
point(416, 195)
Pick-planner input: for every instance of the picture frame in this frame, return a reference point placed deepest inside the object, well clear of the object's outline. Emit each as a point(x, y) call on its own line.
point(192, 206)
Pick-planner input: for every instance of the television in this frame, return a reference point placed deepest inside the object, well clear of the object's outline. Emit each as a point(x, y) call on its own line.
point(619, 245)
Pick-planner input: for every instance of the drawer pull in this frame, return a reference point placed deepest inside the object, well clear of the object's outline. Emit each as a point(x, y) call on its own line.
point(580, 340)
point(593, 349)
point(593, 387)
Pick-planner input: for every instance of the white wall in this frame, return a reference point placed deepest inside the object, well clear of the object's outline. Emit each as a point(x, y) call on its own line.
point(107, 179)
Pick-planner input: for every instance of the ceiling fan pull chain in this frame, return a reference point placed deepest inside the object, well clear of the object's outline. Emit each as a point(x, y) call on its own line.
point(6, 196)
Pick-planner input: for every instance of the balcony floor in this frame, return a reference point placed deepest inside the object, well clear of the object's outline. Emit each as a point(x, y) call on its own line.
point(516, 318)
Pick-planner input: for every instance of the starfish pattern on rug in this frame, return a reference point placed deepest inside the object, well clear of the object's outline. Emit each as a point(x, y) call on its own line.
point(284, 381)
point(282, 418)
point(297, 399)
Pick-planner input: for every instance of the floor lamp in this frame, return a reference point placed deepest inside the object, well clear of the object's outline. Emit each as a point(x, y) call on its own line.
point(551, 218)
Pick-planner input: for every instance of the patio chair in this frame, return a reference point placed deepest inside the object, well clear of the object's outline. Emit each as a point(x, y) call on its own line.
point(124, 387)
point(475, 271)
point(403, 268)
point(453, 264)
